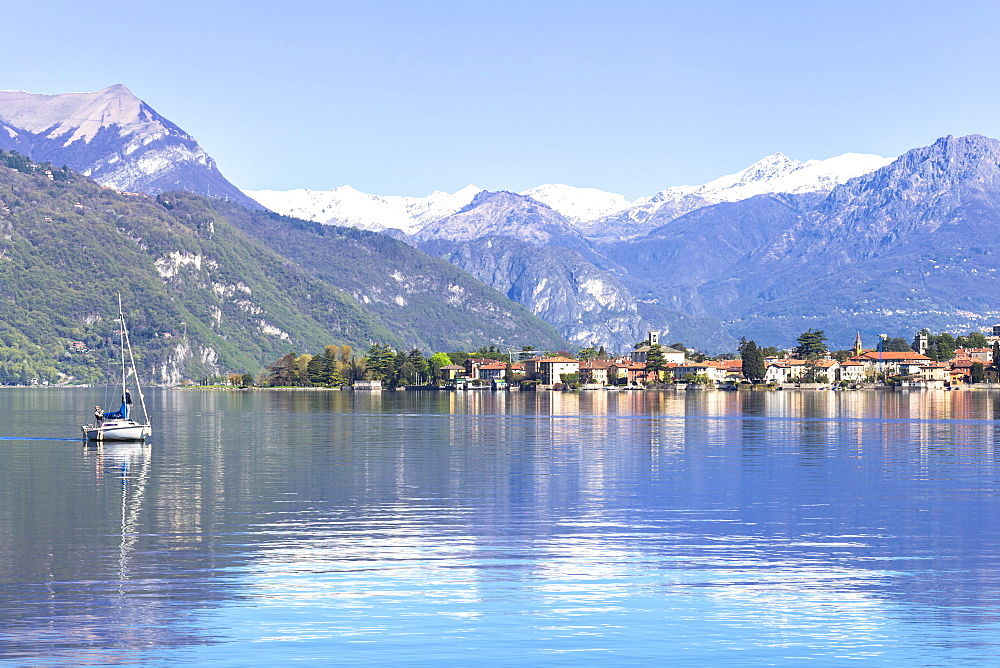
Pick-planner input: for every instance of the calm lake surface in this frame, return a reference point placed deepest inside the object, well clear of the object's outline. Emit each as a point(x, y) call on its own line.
point(425, 528)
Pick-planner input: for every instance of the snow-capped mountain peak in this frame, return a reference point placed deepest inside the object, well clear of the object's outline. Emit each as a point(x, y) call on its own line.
point(115, 138)
point(73, 116)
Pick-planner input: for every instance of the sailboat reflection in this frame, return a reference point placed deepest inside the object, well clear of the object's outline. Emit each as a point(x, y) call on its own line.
point(129, 461)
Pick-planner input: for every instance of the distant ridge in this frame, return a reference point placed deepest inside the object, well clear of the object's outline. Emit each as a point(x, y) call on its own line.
point(596, 213)
point(113, 137)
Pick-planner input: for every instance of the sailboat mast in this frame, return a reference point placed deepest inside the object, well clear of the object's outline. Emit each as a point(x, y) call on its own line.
point(131, 358)
point(121, 336)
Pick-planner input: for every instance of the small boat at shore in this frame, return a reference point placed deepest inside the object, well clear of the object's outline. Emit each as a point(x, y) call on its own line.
point(120, 425)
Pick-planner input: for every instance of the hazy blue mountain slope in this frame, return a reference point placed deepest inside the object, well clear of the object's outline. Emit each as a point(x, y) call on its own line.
point(670, 265)
point(585, 303)
point(914, 244)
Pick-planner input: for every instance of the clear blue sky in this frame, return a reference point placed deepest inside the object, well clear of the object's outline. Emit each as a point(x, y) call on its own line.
point(408, 97)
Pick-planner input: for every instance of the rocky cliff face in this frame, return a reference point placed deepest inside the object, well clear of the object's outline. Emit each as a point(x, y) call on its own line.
point(113, 137)
point(587, 305)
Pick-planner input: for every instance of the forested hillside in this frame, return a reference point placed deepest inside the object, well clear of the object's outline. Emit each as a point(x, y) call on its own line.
point(204, 298)
point(201, 297)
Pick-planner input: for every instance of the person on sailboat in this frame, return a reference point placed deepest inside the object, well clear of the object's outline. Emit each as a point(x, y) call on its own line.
point(98, 416)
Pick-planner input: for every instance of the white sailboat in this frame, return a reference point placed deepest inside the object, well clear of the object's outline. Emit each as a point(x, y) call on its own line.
point(120, 425)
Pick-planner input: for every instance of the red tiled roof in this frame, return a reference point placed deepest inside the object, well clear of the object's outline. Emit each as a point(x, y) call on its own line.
point(891, 356)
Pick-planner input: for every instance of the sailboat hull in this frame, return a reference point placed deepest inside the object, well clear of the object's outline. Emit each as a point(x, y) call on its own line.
point(119, 430)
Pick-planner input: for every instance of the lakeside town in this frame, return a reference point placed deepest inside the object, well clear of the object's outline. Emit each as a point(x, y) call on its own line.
point(932, 362)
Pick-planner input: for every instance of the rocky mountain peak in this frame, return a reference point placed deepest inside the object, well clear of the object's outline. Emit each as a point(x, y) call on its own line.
point(501, 213)
point(946, 173)
point(115, 138)
point(75, 116)
point(498, 199)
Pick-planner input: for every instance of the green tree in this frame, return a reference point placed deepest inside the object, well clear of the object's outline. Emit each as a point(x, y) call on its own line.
point(435, 363)
point(812, 344)
point(333, 364)
point(896, 344)
point(380, 361)
point(317, 371)
point(697, 378)
point(356, 369)
point(946, 346)
point(419, 362)
point(491, 352)
point(399, 377)
point(282, 373)
point(753, 361)
point(972, 340)
point(655, 360)
point(587, 354)
point(459, 357)
point(302, 370)
point(996, 357)
point(407, 373)
point(345, 355)
point(978, 372)
point(813, 374)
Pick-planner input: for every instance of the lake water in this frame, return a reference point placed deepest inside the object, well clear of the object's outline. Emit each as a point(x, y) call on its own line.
point(419, 528)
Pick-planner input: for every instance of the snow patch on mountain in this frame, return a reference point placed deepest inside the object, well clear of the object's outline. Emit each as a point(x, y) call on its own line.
point(776, 173)
point(578, 204)
point(352, 208)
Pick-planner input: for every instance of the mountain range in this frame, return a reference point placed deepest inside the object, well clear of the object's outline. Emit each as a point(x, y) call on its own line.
point(546, 247)
point(594, 212)
point(855, 242)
